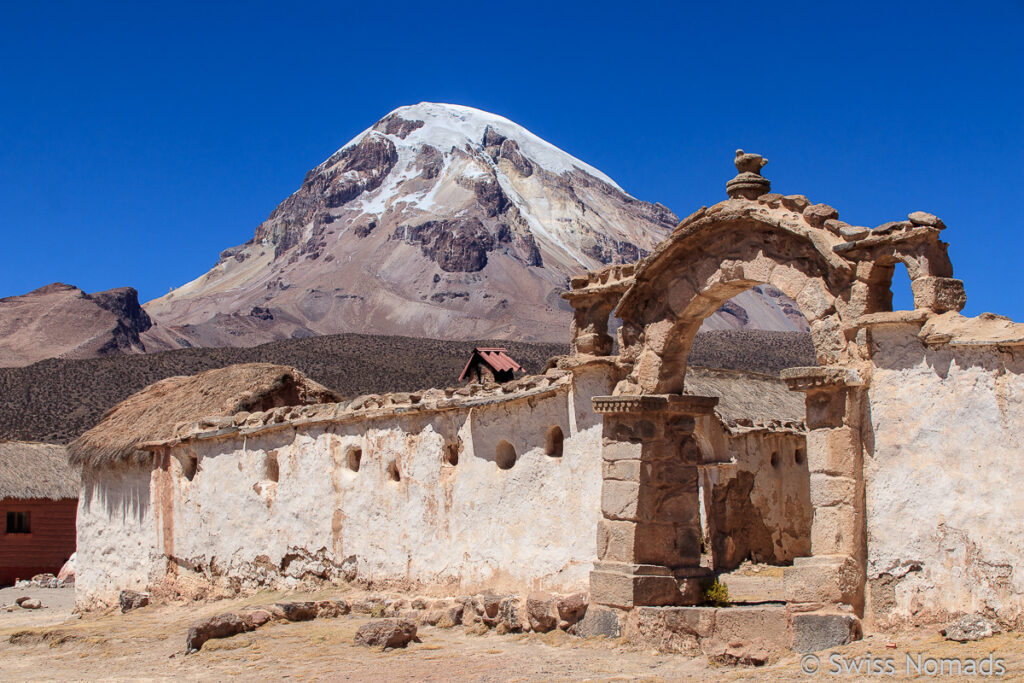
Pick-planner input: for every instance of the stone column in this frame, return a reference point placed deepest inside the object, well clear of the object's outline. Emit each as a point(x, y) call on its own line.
point(835, 574)
point(648, 543)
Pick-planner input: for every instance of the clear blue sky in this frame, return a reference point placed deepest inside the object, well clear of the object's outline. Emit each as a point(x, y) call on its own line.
point(138, 140)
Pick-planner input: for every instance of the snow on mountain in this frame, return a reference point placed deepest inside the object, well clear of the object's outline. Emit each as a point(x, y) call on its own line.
point(438, 221)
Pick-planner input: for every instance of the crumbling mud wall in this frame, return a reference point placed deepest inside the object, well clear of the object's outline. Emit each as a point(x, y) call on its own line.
point(945, 517)
point(757, 503)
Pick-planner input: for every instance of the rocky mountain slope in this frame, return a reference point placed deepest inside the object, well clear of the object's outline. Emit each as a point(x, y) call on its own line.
point(61, 321)
point(438, 221)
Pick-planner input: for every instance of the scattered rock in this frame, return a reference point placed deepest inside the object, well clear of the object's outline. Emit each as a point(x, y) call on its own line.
point(298, 611)
point(968, 627)
point(571, 609)
point(511, 615)
point(257, 617)
point(741, 653)
point(540, 611)
point(220, 626)
point(67, 572)
point(330, 609)
point(30, 604)
point(22, 599)
point(130, 600)
point(386, 633)
point(444, 617)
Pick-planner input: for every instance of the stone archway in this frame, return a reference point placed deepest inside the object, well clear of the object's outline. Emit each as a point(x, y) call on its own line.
point(648, 540)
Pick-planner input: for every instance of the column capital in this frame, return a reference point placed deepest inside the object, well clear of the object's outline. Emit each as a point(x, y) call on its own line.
point(670, 404)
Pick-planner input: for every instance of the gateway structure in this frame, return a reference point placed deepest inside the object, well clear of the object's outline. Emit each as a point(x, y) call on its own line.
point(874, 482)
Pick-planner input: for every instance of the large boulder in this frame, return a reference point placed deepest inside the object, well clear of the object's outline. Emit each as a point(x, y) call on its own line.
point(220, 626)
point(385, 633)
point(298, 611)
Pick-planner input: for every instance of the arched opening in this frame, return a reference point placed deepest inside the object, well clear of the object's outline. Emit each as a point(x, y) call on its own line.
point(504, 455)
point(354, 458)
point(899, 285)
point(553, 442)
point(271, 467)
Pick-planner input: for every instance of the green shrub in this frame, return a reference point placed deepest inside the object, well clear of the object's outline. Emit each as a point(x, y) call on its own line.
point(716, 594)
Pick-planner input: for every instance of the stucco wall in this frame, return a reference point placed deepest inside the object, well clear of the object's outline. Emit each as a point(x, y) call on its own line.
point(945, 516)
point(116, 534)
point(470, 524)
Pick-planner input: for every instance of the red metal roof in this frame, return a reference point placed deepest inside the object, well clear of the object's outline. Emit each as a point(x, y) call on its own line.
point(495, 357)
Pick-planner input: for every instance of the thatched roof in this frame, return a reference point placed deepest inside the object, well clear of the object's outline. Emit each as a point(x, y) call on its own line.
point(151, 414)
point(746, 395)
point(36, 470)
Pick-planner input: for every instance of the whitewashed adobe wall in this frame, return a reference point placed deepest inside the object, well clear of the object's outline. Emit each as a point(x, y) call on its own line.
point(945, 514)
point(116, 534)
point(470, 524)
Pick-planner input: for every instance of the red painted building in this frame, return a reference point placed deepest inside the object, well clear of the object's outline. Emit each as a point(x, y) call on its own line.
point(38, 505)
point(490, 364)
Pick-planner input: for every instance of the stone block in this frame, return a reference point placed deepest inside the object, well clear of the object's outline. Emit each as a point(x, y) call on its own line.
point(626, 590)
point(599, 621)
point(616, 540)
point(751, 622)
point(621, 470)
point(692, 621)
point(835, 579)
point(668, 545)
point(613, 449)
point(828, 490)
point(620, 500)
point(836, 530)
point(939, 294)
point(826, 409)
point(540, 611)
point(836, 452)
point(817, 632)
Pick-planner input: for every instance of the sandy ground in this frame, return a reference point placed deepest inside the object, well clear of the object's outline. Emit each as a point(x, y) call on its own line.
point(148, 644)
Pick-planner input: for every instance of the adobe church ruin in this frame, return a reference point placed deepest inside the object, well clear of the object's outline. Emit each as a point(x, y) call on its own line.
point(880, 481)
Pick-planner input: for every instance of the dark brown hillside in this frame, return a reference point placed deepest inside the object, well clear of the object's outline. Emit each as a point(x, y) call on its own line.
point(56, 400)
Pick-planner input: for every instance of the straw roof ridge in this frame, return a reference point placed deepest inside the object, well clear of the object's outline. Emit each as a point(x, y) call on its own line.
point(29, 469)
point(152, 414)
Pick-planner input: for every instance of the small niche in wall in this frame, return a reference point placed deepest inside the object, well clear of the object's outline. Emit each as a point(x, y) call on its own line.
point(505, 455)
point(393, 473)
point(354, 457)
point(271, 468)
point(553, 442)
point(189, 466)
point(451, 453)
point(799, 456)
point(775, 459)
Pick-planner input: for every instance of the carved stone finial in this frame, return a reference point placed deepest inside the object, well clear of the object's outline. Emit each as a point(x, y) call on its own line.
point(748, 184)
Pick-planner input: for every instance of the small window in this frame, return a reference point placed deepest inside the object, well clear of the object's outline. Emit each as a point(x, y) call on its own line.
point(553, 442)
point(799, 456)
point(393, 472)
point(775, 459)
point(18, 523)
point(272, 470)
point(505, 455)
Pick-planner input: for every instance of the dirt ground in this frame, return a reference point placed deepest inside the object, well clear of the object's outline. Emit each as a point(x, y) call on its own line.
point(148, 644)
